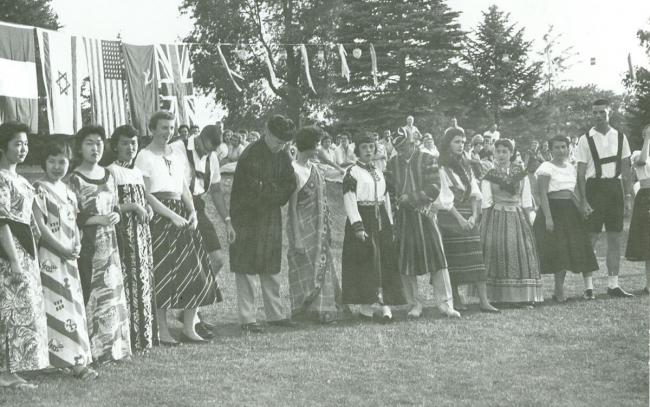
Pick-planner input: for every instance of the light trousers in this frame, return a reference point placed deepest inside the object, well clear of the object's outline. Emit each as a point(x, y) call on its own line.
point(270, 284)
point(441, 289)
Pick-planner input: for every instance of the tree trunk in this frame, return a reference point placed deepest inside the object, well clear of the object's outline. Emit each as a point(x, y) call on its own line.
point(294, 97)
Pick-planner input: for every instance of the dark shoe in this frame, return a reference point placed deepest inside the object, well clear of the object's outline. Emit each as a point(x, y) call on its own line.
point(460, 307)
point(208, 326)
point(386, 319)
point(589, 294)
point(365, 318)
point(203, 331)
point(490, 310)
point(618, 292)
point(284, 323)
point(253, 327)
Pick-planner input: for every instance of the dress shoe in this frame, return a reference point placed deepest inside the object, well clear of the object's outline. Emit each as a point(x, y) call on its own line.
point(252, 327)
point(416, 311)
point(618, 292)
point(284, 323)
point(589, 294)
point(448, 311)
point(203, 331)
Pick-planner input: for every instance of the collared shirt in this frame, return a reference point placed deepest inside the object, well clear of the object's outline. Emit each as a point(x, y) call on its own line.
point(607, 146)
point(200, 166)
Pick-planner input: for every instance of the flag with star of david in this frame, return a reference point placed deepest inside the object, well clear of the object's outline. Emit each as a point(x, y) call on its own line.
point(174, 72)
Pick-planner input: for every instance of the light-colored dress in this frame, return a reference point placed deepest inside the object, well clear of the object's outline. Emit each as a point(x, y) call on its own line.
point(23, 325)
point(101, 271)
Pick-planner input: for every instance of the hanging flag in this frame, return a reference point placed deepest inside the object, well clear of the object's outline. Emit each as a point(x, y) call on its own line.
point(60, 67)
point(373, 61)
point(175, 81)
point(18, 91)
point(228, 71)
point(106, 69)
point(345, 69)
point(305, 62)
point(630, 67)
point(140, 68)
point(269, 66)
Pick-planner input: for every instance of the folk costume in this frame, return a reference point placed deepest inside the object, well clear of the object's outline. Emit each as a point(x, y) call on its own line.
point(638, 242)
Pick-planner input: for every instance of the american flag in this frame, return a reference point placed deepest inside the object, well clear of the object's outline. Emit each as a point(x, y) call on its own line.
point(175, 79)
point(106, 69)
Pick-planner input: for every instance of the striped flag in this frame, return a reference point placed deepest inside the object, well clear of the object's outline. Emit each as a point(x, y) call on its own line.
point(106, 68)
point(60, 68)
point(18, 91)
point(174, 70)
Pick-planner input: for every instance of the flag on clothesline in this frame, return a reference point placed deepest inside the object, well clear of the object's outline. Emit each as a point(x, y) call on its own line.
point(140, 69)
point(175, 81)
point(18, 90)
point(60, 68)
point(106, 68)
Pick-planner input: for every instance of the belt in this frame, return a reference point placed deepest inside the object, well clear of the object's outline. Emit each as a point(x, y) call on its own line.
point(506, 207)
point(369, 203)
point(167, 195)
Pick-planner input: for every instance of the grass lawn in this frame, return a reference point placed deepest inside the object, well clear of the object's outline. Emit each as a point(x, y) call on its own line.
point(576, 354)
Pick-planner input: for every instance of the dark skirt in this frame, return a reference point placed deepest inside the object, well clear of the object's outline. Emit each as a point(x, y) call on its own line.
point(568, 246)
point(181, 265)
point(463, 249)
point(638, 242)
point(420, 249)
point(369, 269)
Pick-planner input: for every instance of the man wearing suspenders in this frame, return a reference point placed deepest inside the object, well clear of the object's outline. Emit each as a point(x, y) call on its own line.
point(603, 157)
point(203, 177)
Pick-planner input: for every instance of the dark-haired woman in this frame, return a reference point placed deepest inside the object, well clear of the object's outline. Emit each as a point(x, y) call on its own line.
point(313, 285)
point(23, 326)
point(134, 239)
point(459, 225)
point(370, 274)
point(508, 244)
point(100, 267)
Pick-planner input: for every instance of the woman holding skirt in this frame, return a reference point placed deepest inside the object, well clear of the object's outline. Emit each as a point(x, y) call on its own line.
point(313, 285)
point(638, 243)
point(369, 266)
point(508, 244)
point(562, 240)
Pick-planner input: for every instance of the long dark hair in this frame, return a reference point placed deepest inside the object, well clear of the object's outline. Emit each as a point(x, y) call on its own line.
point(457, 162)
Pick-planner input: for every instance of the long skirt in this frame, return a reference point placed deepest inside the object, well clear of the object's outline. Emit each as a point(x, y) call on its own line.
point(369, 268)
point(181, 265)
point(510, 256)
point(23, 325)
point(463, 249)
point(638, 242)
point(420, 245)
point(568, 246)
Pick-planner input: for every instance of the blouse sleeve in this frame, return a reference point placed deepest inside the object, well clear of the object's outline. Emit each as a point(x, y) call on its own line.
point(5, 199)
point(40, 199)
point(486, 188)
point(475, 189)
point(350, 200)
point(544, 169)
point(445, 200)
point(526, 194)
point(142, 164)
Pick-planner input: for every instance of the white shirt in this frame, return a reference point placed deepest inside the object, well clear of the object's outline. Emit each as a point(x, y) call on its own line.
point(365, 191)
point(494, 134)
point(344, 155)
point(642, 172)
point(222, 151)
point(165, 173)
point(200, 165)
point(560, 178)
point(433, 151)
point(607, 146)
point(126, 176)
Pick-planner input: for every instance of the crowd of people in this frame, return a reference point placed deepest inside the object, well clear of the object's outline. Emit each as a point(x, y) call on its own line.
point(93, 258)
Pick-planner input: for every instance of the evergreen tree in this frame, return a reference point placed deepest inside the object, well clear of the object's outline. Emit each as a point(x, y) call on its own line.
point(638, 106)
point(37, 13)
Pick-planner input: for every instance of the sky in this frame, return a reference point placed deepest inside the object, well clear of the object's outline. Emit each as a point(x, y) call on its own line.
point(600, 29)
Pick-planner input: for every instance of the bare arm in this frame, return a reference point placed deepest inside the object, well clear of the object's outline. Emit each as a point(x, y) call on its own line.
point(47, 237)
point(582, 195)
point(542, 183)
point(156, 205)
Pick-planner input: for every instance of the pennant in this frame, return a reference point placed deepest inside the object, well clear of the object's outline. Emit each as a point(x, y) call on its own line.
point(345, 69)
point(373, 60)
point(18, 91)
point(174, 73)
point(305, 61)
point(60, 68)
point(106, 69)
point(225, 66)
point(142, 82)
point(269, 66)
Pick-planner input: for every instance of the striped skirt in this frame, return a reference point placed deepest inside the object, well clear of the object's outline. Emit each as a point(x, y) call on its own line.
point(420, 243)
point(181, 266)
point(510, 256)
point(462, 248)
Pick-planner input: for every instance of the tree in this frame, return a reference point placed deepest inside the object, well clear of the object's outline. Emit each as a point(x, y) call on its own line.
point(638, 105)
point(37, 13)
point(416, 42)
point(557, 59)
point(498, 63)
point(258, 26)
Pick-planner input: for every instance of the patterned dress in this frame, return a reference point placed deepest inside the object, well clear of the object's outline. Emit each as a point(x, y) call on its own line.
point(67, 329)
point(23, 325)
point(313, 285)
point(100, 270)
point(134, 241)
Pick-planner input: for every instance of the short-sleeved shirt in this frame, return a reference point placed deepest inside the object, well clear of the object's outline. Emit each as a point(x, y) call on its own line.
point(200, 166)
point(642, 171)
point(607, 146)
point(561, 178)
point(165, 173)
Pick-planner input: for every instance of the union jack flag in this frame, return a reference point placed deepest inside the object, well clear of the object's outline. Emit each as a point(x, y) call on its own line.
point(174, 71)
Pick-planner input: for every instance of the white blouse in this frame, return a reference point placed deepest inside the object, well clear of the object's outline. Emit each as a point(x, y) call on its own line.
point(446, 181)
point(165, 173)
point(126, 176)
point(365, 191)
point(643, 171)
point(561, 178)
point(526, 197)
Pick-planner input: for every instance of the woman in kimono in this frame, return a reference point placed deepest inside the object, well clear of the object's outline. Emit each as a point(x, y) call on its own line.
point(134, 239)
point(459, 225)
point(99, 261)
point(313, 285)
point(23, 326)
point(55, 212)
point(513, 274)
point(369, 264)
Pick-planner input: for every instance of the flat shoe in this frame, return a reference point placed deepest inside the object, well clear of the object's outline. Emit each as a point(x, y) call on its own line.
point(618, 292)
point(252, 327)
point(460, 307)
point(203, 331)
point(490, 310)
point(187, 339)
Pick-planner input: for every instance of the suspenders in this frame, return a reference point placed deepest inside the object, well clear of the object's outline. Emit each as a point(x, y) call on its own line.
point(598, 162)
point(207, 176)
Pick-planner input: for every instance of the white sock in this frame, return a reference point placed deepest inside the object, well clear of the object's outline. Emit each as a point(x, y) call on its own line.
point(385, 310)
point(612, 281)
point(589, 282)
